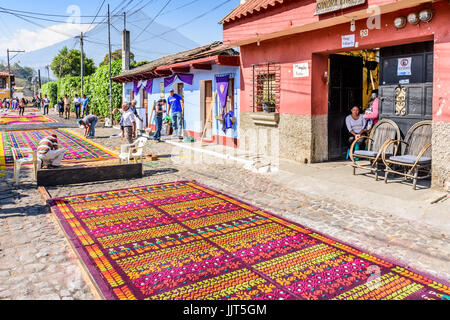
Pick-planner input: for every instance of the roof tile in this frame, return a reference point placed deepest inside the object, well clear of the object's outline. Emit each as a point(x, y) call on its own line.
point(250, 7)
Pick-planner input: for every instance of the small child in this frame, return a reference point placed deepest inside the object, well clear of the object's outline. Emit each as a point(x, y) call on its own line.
point(372, 112)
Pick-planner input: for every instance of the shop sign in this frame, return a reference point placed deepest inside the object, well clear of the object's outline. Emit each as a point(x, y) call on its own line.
point(348, 41)
point(301, 70)
point(404, 66)
point(325, 6)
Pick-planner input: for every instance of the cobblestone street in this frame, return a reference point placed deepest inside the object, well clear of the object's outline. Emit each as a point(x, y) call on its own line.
point(36, 262)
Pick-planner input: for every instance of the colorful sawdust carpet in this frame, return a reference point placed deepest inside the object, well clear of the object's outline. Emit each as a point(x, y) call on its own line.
point(26, 119)
point(79, 149)
point(185, 241)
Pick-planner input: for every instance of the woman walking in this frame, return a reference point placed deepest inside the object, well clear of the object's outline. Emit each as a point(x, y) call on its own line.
point(22, 106)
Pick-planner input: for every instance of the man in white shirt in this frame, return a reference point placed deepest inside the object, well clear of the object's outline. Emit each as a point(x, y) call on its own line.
point(128, 121)
point(46, 102)
point(77, 103)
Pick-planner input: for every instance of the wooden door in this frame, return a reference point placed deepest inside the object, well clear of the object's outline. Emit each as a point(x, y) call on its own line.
point(346, 88)
point(208, 109)
point(407, 99)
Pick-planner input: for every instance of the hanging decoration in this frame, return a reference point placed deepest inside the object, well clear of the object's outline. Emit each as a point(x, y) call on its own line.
point(147, 85)
point(187, 78)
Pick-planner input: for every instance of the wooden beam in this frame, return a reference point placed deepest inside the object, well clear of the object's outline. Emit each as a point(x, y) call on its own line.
point(229, 61)
point(181, 69)
point(74, 175)
point(201, 66)
point(163, 72)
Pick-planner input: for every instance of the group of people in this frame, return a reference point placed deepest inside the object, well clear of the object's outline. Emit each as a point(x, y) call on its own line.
point(358, 124)
point(81, 106)
point(14, 104)
point(175, 107)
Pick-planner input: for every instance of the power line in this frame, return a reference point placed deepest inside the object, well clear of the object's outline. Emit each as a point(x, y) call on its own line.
point(98, 12)
point(160, 11)
point(39, 18)
point(47, 14)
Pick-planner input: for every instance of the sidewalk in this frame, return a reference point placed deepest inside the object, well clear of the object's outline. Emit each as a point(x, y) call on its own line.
point(335, 180)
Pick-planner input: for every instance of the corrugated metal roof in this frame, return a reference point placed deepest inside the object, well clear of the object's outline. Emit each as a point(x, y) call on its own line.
point(250, 7)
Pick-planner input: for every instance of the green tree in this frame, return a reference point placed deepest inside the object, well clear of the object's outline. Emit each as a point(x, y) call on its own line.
point(68, 63)
point(116, 55)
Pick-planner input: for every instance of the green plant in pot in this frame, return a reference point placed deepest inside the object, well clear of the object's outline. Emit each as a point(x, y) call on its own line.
point(268, 105)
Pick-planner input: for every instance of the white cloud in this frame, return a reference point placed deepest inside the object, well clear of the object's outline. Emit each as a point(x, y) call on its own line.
point(30, 40)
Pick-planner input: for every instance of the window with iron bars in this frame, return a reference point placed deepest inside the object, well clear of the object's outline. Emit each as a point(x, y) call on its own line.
point(266, 87)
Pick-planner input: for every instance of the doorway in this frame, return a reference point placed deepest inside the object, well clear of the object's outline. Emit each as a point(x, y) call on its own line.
point(207, 109)
point(345, 91)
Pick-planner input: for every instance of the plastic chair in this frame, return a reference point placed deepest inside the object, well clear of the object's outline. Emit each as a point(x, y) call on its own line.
point(31, 158)
point(133, 151)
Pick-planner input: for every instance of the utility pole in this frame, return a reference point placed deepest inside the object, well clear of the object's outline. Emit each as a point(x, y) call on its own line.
point(39, 82)
point(48, 72)
point(9, 69)
point(82, 63)
point(110, 76)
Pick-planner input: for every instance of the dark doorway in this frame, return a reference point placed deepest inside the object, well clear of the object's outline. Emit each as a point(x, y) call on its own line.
point(346, 87)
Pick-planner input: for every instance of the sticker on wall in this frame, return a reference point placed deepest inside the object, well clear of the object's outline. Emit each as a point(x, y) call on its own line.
point(404, 81)
point(348, 41)
point(404, 66)
point(301, 70)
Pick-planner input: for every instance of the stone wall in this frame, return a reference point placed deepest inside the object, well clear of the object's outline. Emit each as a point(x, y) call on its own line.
point(291, 139)
point(441, 154)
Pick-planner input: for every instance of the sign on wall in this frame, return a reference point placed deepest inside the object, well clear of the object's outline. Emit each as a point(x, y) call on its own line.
point(404, 66)
point(301, 70)
point(348, 41)
point(325, 6)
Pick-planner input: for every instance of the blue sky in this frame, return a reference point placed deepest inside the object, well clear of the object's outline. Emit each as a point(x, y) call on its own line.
point(15, 33)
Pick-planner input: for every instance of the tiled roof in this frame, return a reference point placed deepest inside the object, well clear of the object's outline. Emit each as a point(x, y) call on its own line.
point(215, 48)
point(250, 7)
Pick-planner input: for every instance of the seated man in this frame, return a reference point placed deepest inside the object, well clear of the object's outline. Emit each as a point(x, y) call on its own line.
point(49, 153)
point(89, 122)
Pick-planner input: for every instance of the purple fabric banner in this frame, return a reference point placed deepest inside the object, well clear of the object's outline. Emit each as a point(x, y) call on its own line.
point(149, 86)
point(222, 89)
point(168, 81)
point(187, 78)
point(136, 87)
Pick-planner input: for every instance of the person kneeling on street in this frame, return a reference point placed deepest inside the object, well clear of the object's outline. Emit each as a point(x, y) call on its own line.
point(89, 122)
point(49, 153)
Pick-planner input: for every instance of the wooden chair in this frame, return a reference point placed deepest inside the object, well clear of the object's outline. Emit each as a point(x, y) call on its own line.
point(133, 151)
point(31, 158)
point(415, 156)
point(380, 135)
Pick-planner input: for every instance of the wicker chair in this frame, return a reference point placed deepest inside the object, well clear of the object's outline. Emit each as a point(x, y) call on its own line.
point(415, 156)
point(380, 135)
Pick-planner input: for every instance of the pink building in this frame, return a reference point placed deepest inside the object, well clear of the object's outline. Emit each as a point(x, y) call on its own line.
point(304, 63)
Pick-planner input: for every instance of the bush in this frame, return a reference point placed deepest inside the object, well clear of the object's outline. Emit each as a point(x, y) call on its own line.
point(96, 88)
point(51, 90)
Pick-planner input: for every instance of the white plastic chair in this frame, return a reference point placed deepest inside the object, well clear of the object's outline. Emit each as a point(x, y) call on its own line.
point(31, 158)
point(133, 151)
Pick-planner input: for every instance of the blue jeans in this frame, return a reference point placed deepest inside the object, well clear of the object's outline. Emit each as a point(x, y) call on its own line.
point(78, 110)
point(45, 108)
point(177, 122)
point(84, 111)
point(159, 123)
point(92, 130)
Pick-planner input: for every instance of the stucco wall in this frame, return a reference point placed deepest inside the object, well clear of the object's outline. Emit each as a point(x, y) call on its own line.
point(193, 118)
point(441, 153)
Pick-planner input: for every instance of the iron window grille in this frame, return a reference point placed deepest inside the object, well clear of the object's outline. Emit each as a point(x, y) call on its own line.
point(266, 87)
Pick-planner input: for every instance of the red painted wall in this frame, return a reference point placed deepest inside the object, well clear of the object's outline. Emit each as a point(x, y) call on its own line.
point(308, 96)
